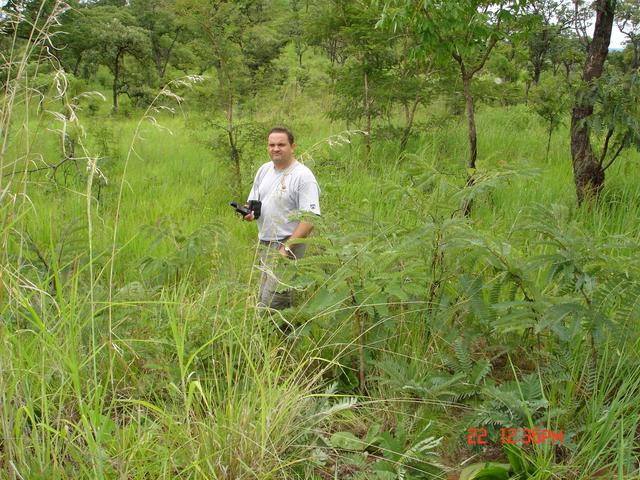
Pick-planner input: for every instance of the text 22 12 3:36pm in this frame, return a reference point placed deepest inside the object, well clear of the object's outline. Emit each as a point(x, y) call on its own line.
point(513, 436)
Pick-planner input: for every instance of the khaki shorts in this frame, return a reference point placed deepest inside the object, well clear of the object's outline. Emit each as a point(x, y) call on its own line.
point(273, 292)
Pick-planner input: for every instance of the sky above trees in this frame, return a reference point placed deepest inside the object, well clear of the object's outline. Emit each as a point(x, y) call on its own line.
point(617, 38)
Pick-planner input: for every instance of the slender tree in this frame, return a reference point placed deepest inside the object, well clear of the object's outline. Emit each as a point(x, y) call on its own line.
point(465, 31)
point(588, 172)
point(549, 20)
point(628, 21)
point(550, 102)
point(362, 81)
point(158, 18)
point(240, 40)
point(298, 24)
point(567, 52)
point(117, 35)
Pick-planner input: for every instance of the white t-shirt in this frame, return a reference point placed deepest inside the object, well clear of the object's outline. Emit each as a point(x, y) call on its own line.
point(283, 193)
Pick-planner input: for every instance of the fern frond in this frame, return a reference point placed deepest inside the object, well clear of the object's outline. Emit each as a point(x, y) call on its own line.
point(345, 404)
point(479, 371)
point(463, 356)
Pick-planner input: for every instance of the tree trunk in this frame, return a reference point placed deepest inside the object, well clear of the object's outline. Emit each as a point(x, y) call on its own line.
point(467, 72)
point(471, 122)
point(76, 67)
point(233, 145)
point(588, 173)
point(409, 114)
point(116, 74)
point(162, 57)
point(537, 70)
point(473, 141)
point(235, 155)
point(367, 111)
point(157, 57)
point(550, 132)
point(299, 51)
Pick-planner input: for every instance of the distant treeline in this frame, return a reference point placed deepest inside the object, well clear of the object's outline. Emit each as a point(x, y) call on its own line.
point(382, 58)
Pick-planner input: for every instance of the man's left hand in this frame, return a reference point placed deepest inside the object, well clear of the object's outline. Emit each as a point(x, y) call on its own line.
point(285, 251)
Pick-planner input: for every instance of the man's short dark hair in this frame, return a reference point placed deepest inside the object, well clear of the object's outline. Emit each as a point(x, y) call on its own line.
point(283, 130)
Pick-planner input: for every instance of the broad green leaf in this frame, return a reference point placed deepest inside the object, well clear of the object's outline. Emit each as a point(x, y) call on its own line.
point(347, 441)
point(515, 456)
point(486, 471)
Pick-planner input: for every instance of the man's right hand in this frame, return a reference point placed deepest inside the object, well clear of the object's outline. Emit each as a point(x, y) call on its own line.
point(249, 217)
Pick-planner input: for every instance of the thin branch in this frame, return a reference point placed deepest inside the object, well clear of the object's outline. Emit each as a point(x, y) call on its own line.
point(53, 167)
point(614, 156)
point(485, 56)
point(35, 248)
point(458, 58)
point(580, 27)
point(606, 146)
point(169, 50)
point(492, 43)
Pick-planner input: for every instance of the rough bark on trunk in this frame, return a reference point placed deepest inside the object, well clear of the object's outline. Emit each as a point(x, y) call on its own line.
point(473, 141)
point(157, 56)
point(549, 133)
point(299, 51)
point(471, 122)
point(409, 115)
point(116, 74)
point(233, 145)
point(537, 70)
point(588, 172)
point(76, 66)
point(367, 111)
point(162, 57)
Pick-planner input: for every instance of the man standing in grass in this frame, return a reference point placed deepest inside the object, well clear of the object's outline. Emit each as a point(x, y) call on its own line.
point(285, 187)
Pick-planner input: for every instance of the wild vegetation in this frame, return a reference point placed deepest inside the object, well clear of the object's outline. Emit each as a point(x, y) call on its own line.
point(472, 272)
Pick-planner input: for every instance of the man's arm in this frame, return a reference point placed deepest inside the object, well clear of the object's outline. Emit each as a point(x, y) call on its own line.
point(302, 231)
point(309, 202)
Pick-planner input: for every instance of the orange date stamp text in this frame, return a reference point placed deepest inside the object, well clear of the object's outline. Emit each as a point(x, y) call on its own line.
point(516, 436)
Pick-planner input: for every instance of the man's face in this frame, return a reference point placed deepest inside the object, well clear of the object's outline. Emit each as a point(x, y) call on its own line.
point(280, 150)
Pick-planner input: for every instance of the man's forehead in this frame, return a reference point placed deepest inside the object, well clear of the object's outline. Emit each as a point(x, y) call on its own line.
point(278, 137)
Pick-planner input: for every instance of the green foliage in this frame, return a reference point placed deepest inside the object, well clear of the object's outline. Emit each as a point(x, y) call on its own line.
point(465, 32)
point(628, 21)
point(568, 52)
point(408, 453)
point(513, 404)
point(191, 254)
point(466, 28)
point(518, 468)
point(545, 26)
point(550, 101)
point(158, 18)
point(485, 471)
point(372, 72)
point(616, 114)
